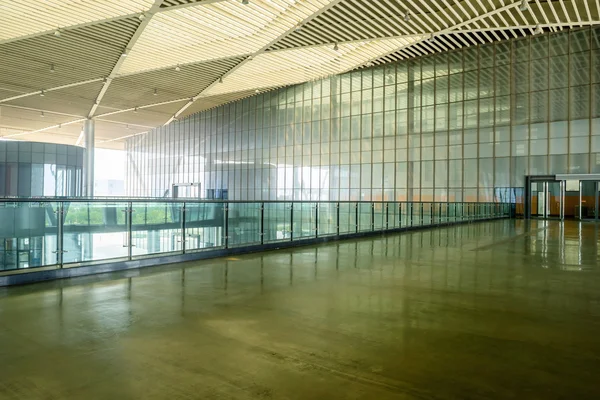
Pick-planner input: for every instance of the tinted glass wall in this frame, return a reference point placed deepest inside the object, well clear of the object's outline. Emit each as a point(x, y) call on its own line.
point(30, 169)
point(466, 125)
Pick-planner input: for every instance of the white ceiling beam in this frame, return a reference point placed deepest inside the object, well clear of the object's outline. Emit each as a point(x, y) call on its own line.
point(262, 50)
point(38, 92)
point(548, 26)
point(42, 110)
point(47, 128)
point(155, 7)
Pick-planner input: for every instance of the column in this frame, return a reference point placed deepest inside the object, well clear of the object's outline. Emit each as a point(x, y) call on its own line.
point(88, 137)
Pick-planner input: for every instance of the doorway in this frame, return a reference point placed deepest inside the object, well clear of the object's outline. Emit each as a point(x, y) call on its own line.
point(186, 190)
point(546, 199)
point(587, 208)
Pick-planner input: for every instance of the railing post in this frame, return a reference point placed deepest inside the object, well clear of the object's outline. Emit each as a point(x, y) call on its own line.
point(387, 216)
point(372, 216)
point(316, 220)
point(337, 211)
point(356, 216)
point(129, 216)
point(60, 239)
point(422, 214)
point(183, 234)
point(291, 222)
point(410, 209)
point(399, 215)
point(262, 223)
point(226, 229)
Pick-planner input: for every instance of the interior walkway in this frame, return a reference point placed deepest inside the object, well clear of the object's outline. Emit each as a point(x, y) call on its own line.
point(503, 309)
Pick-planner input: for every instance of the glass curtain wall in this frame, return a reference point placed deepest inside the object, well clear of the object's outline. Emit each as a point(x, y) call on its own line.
point(29, 169)
point(466, 125)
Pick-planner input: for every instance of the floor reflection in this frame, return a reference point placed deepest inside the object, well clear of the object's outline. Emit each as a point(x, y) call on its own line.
point(432, 313)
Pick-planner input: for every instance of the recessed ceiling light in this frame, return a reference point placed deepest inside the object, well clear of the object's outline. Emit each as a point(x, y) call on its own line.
point(524, 6)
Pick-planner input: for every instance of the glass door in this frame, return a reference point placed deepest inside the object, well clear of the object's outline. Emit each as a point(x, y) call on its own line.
point(538, 199)
point(547, 199)
point(554, 200)
point(588, 200)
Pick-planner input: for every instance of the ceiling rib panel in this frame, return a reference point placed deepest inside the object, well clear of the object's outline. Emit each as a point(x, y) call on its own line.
point(303, 64)
point(47, 61)
point(164, 85)
point(215, 30)
point(26, 17)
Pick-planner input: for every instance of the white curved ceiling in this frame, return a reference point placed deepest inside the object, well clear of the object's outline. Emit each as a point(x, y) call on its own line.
point(135, 64)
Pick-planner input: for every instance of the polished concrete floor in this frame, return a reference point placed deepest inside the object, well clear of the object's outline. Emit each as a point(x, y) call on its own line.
point(503, 309)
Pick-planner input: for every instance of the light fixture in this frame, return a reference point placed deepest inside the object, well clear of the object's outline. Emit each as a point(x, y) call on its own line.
point(221, 80)
point(430, 38)
point(135, 110)
point(257, 91)
point(42, 114)
point(59, 126)
point(407, 16)
point(127, 126)
point(42, 93)
point(124, 54)
point(336, 47)
point(369, 64)
point(156, 92)
point(538, 30)
point(298, 28)
point(57, 33)
point(51, 67)
point(524, 6)
point(104, 80)
point(177, 68)
point(142, 16)
point(245, 2)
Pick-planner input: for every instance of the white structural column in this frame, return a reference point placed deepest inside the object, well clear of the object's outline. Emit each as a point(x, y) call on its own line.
point(88, 138)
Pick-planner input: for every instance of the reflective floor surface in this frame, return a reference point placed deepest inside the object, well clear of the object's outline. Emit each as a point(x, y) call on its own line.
point(504, 309)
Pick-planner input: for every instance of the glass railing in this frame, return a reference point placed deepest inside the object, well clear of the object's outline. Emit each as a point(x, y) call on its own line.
point(46, 233)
